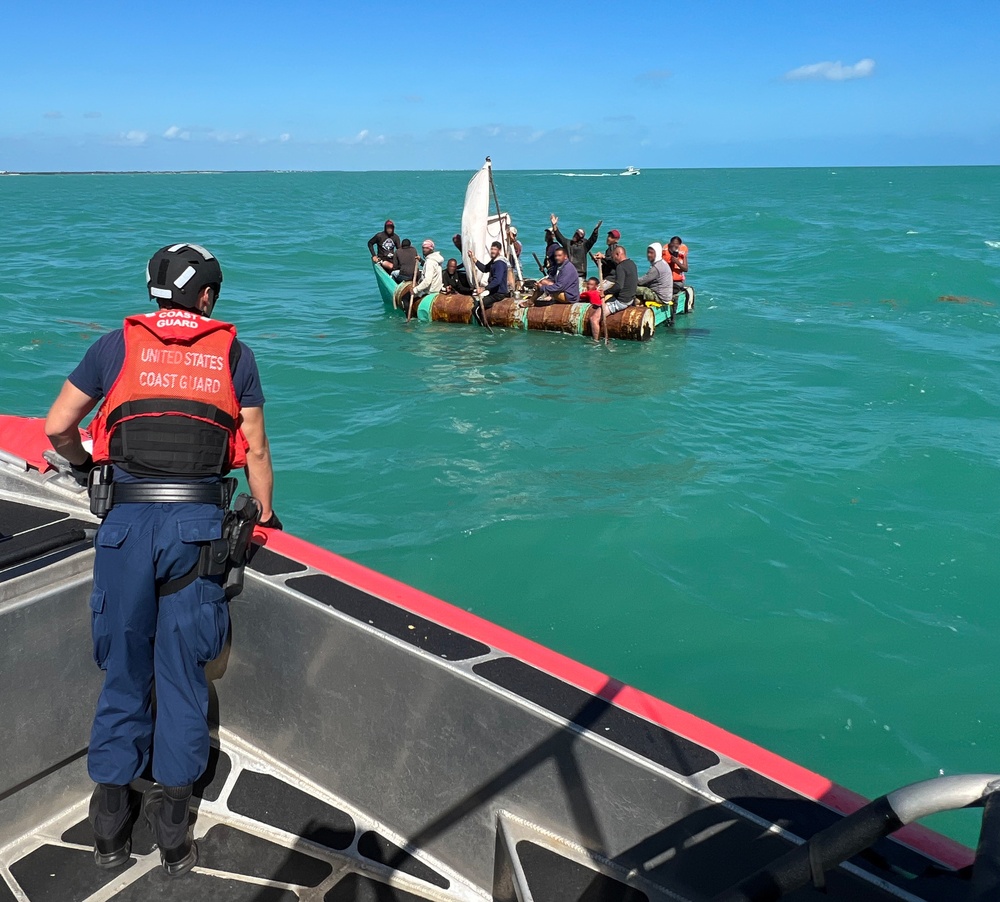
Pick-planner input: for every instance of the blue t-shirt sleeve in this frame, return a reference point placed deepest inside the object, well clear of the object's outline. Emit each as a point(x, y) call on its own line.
point(246, 380)
point(96, 373)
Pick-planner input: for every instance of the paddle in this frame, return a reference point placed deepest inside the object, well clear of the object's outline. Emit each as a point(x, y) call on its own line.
point(413, 290)
point(477, 297)
point(541, 268)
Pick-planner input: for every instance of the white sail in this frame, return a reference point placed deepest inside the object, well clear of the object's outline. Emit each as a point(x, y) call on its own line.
point(475, 218)
point(480, 229)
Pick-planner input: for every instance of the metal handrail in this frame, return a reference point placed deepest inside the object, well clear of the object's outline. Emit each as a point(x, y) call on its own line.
point(885, 815)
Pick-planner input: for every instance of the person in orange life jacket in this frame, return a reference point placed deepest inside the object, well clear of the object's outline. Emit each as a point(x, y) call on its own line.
point(676, 254)
point(182, 406)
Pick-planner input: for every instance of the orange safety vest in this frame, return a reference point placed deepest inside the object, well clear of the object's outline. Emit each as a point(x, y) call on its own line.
point(682, 253)
point(173, 410)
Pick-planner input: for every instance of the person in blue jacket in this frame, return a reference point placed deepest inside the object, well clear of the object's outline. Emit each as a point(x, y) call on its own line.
point(564, 285)
point(496, 287)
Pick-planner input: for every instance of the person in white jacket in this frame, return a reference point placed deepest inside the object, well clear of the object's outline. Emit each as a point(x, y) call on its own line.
point(431, 282)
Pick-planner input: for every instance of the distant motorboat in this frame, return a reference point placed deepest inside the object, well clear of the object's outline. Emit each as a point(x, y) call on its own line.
point(630, 171)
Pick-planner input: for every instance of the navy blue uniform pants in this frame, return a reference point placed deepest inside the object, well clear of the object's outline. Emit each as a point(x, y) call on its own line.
point(140, 639)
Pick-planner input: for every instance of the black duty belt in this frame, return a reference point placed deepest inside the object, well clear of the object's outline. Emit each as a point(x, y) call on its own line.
point(170, 493)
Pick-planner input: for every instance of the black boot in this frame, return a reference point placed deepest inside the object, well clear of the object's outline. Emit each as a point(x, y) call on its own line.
point(166, 809)
point(111, 816)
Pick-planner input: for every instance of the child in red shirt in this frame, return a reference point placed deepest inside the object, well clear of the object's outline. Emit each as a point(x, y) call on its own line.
point(596, 314)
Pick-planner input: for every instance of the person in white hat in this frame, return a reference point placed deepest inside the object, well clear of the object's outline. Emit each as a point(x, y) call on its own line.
point(431, 282)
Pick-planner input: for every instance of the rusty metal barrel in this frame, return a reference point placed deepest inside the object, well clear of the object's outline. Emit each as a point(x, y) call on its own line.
point(631, 324)
point(507, 315)
point(447, 308)
point(569, 318)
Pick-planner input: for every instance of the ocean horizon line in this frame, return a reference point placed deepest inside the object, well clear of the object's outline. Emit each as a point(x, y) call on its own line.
point(44, 172)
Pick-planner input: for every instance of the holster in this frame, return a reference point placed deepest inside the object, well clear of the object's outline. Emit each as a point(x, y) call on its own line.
point(100, 486)
point(237, 533)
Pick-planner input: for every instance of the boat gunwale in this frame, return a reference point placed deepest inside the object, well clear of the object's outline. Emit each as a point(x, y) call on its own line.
point(770, 765)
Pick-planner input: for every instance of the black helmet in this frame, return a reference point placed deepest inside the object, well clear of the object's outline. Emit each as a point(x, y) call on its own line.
point(178, 272)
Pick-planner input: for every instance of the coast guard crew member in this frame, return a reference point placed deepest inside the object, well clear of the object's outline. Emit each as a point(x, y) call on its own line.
point(183, 405)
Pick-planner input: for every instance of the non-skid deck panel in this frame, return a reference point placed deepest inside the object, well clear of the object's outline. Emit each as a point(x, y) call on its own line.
point(389, 618)
point(27, 545)
point(225, 848)
point(356, 888)
point(804, 817)
point(16, 517)
point(599, 716)
point(551, 876)
point(196, 887)
point(241, 857)
point(272, 564)
point(57, 874)
point(274, 802)
point(379, 849)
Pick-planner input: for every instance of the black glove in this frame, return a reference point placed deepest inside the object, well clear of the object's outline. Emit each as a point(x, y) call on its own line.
point(81, 472)
point(271, 522)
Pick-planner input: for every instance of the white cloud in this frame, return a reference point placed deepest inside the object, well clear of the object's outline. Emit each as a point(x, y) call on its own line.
point(174, 132)
point(284, 138)
point(363, 137)
point(133, 137)
point(828, 71)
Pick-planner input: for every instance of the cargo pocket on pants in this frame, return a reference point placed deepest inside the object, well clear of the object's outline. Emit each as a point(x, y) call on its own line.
point(99, 628)
point(213, 620)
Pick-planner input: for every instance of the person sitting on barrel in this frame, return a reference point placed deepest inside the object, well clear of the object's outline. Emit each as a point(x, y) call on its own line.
point(563, 287)
point(496, 288)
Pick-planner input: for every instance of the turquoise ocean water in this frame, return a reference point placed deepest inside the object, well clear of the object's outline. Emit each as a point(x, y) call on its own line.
point(782, 517)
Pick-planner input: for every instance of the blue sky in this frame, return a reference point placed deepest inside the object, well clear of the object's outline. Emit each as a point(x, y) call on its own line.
point(326, 85)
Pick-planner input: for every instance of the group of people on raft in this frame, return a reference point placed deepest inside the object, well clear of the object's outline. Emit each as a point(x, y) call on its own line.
point(617, 286)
